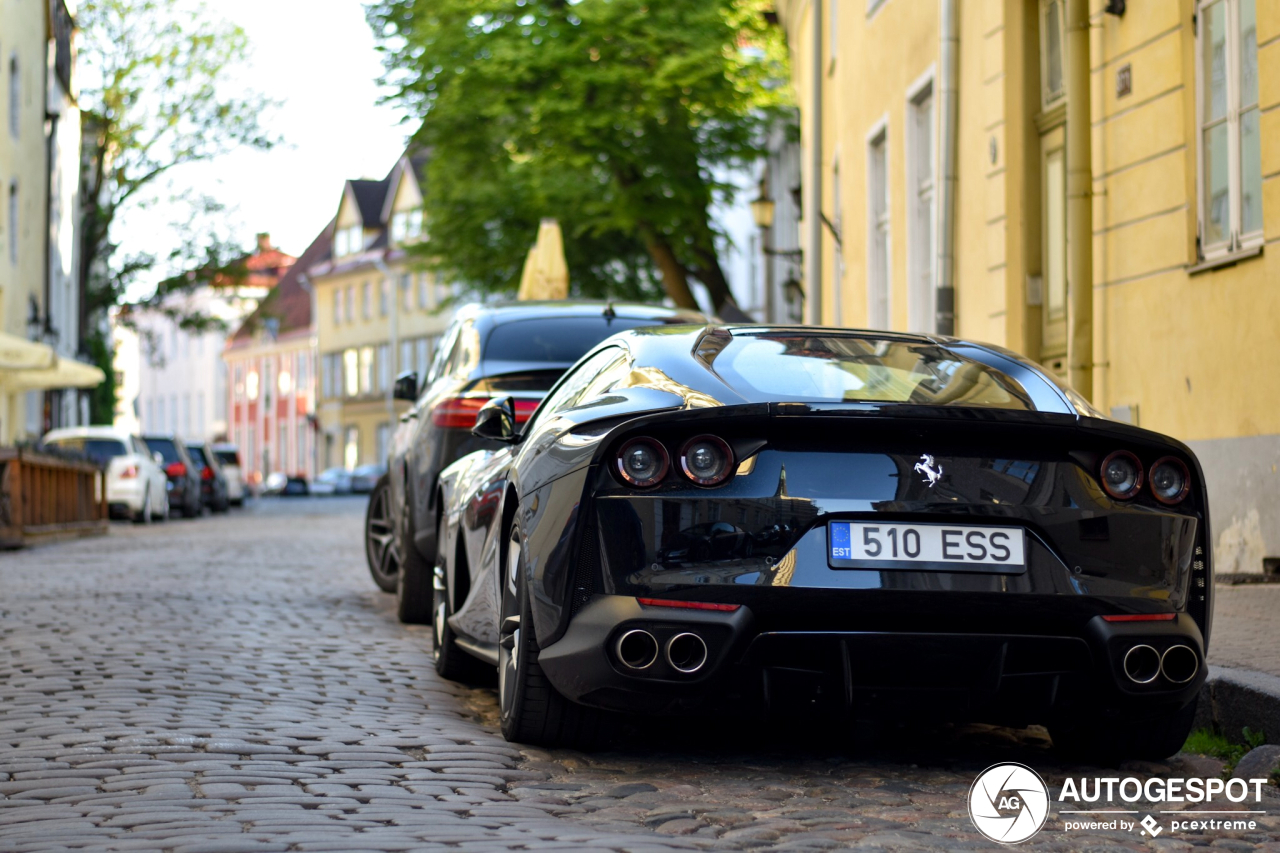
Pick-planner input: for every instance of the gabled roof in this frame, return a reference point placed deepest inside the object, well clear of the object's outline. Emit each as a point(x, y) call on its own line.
point(370, 197)
point(290, 302)
point(412, 163)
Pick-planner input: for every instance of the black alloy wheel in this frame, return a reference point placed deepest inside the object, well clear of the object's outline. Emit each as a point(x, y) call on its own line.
point(380, 549)
point(414, 596)
point(450, 660)
point(532, 710)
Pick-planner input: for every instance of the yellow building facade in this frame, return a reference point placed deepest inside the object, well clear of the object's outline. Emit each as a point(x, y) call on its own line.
point(376, 314)
point(1185, 204)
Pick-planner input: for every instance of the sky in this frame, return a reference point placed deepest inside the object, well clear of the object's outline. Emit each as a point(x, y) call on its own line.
point(317, 58)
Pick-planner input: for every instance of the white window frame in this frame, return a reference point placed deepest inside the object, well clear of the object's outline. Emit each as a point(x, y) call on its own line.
point(1236, 241)
point(879, 275)
point(922, 205)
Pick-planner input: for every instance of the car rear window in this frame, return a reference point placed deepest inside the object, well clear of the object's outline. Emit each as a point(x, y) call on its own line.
point(100, 450)
point(197, 455)
point(228, 457)
point(795, 366)
point(558, 340)
point(165, 447)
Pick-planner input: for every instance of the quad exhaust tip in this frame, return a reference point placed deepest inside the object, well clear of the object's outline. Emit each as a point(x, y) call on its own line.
point(686, 653)
point(1142, 664)
point(637, 649)
point(1179, 664)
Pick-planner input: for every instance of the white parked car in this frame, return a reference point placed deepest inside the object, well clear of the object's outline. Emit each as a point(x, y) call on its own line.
point(229, 456)
point(137, 486)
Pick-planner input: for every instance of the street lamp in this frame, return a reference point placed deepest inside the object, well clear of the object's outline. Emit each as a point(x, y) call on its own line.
point(762, 212)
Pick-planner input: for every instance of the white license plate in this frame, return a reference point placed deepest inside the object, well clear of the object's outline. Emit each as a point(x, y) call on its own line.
point(939, 547)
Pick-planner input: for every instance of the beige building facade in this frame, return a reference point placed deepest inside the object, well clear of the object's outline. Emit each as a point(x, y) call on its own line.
point(1175, 313)
point(376, 314)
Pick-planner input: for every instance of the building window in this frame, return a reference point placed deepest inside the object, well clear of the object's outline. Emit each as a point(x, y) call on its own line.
point(424, 360)
point(351, 448)
point(282, 449)
point(383, 437)
point(406, 357)
point(348, 241)
point(301, 448)
point(337, 307)
point(1055, 221)
point(1230, 149)
point(351, 372)
point(425, 291)
point(406, 291)
point(878, 231)
point(920, 148)
point(406, 226)
point(200, 415)
point(1051, 76)
point(384, 296)
point(303, 381)
point(349, 306)
point(15, 95)
point(366, 300)
point(151, 425)
point(833, 29)
point(384, 367)
point(366, 370)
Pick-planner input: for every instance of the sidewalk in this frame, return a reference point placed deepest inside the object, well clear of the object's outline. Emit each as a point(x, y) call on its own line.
point(1244, 657)
point(1246, 628)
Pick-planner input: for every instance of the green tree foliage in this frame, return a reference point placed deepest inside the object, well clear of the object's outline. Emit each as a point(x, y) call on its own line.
point(154, 97)
point(611, 115)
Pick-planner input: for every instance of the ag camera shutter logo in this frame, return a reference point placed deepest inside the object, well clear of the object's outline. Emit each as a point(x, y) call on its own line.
point(1008, 803)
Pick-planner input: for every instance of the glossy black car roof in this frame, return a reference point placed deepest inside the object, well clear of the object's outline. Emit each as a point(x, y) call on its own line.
point(507, 311)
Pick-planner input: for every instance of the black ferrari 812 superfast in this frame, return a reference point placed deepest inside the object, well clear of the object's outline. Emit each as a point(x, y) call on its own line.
point(712, 519)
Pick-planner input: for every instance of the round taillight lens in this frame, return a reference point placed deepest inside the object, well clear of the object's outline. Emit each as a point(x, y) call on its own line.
point(642, 462)
point(706, 460)
point(1170, 480)
point(1121, 475)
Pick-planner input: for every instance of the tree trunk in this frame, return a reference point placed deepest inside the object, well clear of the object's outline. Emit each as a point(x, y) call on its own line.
point(675, 278)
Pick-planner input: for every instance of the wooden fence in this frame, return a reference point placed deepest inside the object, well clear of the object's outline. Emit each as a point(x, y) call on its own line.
point(45, 497)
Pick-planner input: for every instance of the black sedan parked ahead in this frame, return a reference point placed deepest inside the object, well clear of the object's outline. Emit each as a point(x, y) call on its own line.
point(213, 480)
point(865, 523)
point(180, 468)
point(518, 349)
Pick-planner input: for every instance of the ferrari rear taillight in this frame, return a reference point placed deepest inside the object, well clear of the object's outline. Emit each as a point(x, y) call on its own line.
point(129, 473)
point(1121, 475)
point(706, 460)
point(688, 605)
point(176, 469)
point(460, 412)
point(642, 462)
point(1170, 480)
point(1140, 617)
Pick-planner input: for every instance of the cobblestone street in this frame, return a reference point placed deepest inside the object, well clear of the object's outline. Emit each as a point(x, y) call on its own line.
point(237, 683)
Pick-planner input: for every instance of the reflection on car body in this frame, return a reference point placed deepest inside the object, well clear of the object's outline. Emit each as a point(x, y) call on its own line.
point(864, 524)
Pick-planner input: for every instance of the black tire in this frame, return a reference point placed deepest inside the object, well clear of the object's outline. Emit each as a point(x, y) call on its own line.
point(1109, 742)
point(380, 549)
point(532, 710)
point(414, 595)
point(451, 661)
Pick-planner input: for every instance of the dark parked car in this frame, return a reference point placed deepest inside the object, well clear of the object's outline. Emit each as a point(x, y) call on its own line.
point(516, 348)
point(364, 478)
point(214, 489)
point(184, 478)
point(912, 526)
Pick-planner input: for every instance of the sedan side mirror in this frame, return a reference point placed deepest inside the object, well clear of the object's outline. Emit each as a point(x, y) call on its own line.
point(406, 387)
point(497, 420)
point(158, 458)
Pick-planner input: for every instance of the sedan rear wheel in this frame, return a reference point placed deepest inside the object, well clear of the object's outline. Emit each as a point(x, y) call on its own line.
point(532, 710)
point(413, 582)
point(380, 549)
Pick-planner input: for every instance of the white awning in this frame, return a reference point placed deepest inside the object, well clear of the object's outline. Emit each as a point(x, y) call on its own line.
point(21, 354)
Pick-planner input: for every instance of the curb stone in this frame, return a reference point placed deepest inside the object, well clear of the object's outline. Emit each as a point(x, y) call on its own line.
point(1234, 698)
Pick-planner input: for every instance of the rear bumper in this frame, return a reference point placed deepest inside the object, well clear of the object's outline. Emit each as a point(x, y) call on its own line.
point(991, 676)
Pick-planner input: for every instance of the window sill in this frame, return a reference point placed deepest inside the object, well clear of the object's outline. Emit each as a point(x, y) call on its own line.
point(1228, 260)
